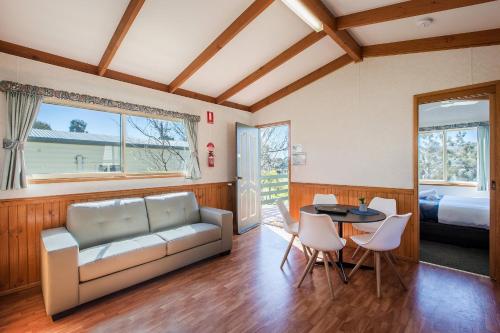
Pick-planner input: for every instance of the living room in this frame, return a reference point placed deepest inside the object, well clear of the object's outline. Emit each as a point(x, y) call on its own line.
point(132, 165)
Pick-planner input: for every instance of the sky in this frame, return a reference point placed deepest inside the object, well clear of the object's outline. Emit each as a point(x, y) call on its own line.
point(98, 122)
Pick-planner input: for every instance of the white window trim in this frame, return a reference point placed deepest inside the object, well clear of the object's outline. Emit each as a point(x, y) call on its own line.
point(123, 174)
point(445, 180)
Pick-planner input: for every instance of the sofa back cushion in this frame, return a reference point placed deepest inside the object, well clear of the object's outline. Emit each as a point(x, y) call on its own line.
point(171, 210)
point(95, 223)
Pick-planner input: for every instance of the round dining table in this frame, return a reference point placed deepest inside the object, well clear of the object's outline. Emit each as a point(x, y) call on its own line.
point(341, 218)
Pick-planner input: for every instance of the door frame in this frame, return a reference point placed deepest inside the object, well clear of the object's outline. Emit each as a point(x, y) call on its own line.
point(487, 90)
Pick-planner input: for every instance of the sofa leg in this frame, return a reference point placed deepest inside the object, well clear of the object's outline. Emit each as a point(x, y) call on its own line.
point(225, 253)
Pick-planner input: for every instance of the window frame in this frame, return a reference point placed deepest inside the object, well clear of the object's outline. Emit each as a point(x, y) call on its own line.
point(444, 181)
point(104, 176)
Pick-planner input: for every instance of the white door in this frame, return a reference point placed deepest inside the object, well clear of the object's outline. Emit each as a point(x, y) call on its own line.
point(248, 177)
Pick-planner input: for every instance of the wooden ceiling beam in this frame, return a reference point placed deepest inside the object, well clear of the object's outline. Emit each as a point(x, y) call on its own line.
point(52, 59)
point(401, 10)
point(123, 27)
point(448, 42)
point(272, 64)
point(341, 37)
point(302, 82)
point(254, 10)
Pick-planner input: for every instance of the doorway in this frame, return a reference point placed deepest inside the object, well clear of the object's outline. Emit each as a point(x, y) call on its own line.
point(454, 178)
point(274, 170)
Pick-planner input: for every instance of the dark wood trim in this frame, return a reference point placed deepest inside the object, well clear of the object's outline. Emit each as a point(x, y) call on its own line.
point(52, 59)
point(401, 10)
point(342, 38)
point(448, 42)
point(302, 82)
point(123, 27)
point(272, 64)
point(254, 10)
point(492, 89)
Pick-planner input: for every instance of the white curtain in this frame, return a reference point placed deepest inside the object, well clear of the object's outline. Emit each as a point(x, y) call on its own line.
point(193, 163)
point(22, 109)
point(483, 152)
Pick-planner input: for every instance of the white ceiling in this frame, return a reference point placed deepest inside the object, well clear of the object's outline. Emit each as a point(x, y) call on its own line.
point(433, 114)
point(304, 63)
point(79, 30)
point(250, 49)
point(168, 35)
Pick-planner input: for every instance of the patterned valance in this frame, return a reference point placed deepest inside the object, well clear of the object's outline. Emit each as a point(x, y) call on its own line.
point(453, 126)
point(81, 98)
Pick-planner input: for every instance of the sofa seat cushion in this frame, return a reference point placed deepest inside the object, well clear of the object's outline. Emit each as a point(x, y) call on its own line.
point(189, 236)
point(101, 260)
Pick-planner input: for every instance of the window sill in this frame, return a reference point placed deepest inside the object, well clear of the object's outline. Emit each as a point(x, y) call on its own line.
point(104, 178)
point(443, 183)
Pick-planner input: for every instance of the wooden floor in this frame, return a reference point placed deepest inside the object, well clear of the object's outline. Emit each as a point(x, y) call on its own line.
point(247, 292)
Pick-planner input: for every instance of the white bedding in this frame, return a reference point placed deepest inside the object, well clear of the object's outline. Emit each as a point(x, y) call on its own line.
point(464, 211)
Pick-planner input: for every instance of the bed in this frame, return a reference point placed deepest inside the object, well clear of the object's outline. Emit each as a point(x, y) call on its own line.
point(461, 221)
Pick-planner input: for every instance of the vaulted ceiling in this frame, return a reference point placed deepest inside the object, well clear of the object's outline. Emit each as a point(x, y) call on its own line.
point(241, 53)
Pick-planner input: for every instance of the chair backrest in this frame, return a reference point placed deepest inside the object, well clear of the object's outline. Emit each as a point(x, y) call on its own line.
point(287, 219)
point(324, 199)
point(386, 206)
point(318, 232)
point(388, 235)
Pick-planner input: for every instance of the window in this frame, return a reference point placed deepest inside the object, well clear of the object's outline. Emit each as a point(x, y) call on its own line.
point(448, 155)
point(68, 141)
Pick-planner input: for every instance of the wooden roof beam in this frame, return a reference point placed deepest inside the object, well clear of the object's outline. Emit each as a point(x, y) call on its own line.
point(123, 27)
point(302, 82)
point(254, 10)
point(448, 42)
point(272, 64)
point(52, 59)
point(401, 10)
point(341, 37)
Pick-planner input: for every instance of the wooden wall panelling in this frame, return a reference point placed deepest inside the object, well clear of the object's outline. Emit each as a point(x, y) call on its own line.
point(22, 220)
point(301, 194)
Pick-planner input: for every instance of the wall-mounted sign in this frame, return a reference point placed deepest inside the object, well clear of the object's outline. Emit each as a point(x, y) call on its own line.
point(298, 155)
point(210, 117)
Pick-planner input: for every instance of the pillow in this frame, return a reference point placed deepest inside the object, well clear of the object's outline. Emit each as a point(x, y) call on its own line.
point(427, 193)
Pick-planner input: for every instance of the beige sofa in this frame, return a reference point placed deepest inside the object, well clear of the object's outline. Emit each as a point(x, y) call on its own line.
point(110, 245)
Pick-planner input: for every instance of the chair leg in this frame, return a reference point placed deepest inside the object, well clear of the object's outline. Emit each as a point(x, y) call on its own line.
point(355, 252)
point(360, 262)
point(393, 258)
point(327, 271)
point(377, 271)
point(287, 251)
point(306, 254)
point(310, 264)
point(387, 257)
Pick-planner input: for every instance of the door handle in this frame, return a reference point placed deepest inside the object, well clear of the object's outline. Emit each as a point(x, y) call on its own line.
point(238, 178)
point(493, 185)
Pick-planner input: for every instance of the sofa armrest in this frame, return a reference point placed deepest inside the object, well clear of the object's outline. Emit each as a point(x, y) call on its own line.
point(59, 270)
point(222, 218)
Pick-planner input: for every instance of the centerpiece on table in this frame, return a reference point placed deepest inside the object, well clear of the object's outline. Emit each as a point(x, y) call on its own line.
point(362, 205)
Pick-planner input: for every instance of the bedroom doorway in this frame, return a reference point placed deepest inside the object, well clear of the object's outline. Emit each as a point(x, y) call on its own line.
point(455, 179)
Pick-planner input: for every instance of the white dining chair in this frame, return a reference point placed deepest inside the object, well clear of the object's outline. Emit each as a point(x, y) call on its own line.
point(324, 199)
point(385, 239)
point(291, 227)
point(317, 232)
point(386, 206)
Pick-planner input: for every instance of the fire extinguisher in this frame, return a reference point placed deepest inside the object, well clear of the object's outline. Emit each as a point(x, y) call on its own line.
point(211, 155)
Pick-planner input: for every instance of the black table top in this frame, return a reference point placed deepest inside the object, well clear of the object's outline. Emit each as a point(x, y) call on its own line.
point(347, 218)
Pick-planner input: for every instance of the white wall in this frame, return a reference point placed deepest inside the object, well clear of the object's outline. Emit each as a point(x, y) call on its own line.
point(221, 133)
point(356, 124)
